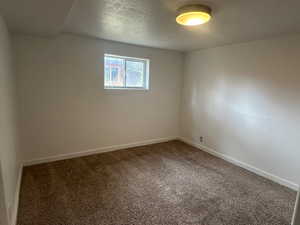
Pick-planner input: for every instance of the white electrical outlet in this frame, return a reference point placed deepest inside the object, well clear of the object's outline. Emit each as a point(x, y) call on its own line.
point(201, 139)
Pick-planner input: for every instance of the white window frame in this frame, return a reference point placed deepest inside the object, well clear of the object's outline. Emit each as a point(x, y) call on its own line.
point(146, 63)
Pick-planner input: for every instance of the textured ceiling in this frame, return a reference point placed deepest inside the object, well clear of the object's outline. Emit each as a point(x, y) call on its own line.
point(152, 22)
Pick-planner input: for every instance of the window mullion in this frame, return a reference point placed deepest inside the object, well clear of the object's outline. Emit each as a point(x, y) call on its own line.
point(144, 75)
point(125, 74)
point(110, 76)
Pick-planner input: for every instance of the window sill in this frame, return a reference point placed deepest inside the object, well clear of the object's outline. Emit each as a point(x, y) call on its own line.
point(127, 89)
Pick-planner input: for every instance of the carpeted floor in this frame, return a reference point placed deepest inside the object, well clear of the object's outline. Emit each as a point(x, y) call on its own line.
point(169, 183)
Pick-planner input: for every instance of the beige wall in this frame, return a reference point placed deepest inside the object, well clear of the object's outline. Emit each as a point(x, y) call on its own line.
point(9, 156)
point(64, 108)
point(245, 100)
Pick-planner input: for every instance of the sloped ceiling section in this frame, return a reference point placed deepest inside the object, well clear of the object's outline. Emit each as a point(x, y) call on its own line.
point(152, 22)
point(41, 17)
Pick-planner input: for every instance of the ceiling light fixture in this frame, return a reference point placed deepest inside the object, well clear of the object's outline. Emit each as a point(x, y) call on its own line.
point(192, 15)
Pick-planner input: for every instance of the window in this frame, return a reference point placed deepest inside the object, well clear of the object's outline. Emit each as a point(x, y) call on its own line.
point(122, 72)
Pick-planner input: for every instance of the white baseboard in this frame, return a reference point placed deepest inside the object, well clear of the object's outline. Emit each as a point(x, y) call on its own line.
point(96, 151)
point(296, 214)
point(246, 166)
point(17, 195)
point(230, 159)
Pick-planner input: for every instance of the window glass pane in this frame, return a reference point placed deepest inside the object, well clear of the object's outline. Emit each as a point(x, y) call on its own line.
point(114, 72)
point(135, 73)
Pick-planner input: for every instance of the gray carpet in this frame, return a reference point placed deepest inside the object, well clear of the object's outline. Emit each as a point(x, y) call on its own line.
point(169, 183)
